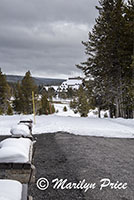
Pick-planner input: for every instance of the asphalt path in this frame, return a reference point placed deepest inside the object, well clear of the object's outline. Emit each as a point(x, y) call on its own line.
point(91, 168)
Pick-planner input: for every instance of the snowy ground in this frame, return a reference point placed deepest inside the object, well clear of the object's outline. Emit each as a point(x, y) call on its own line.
point(59, 107)
point(72, 123)
point(122, 128)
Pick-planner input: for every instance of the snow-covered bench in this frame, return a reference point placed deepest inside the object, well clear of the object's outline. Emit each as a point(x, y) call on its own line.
point(27, 122)
point(22, 129)
point(13, 190)
point(16, 156)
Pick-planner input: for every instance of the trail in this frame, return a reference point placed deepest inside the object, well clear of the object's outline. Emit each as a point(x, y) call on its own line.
point(67, 156)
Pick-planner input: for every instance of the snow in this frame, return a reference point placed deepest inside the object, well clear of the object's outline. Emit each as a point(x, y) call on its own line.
point(9, 122)
point(10, 190)
point(59, 107)
point(20, 129)
point(72, 123)
point(84, 126)
point(53, 86)
point(65, 102)
point(73, 83)
point(15, 150)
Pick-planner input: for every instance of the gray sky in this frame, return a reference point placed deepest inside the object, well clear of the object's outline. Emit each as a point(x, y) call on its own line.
point(44, 36)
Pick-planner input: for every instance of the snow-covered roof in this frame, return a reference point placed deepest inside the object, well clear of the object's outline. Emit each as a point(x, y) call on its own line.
point(72, 82)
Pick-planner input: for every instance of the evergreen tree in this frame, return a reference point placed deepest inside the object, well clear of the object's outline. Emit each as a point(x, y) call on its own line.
point(53, 109)
point(9, 110)
point(18, 103)
point(128, 95)
point(70, 93)
point(74, 105)
point(23, 95)
point(27, 86)
point(109, 57)
point(81, 104)
point(62, 94)
point(4, 93)
point(65, 109)
point(45, 106)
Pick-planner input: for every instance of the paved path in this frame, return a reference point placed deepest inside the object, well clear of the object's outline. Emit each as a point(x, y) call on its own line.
point(62, 155)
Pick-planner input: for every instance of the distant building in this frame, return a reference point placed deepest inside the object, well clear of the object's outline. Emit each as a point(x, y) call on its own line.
point(73, 83)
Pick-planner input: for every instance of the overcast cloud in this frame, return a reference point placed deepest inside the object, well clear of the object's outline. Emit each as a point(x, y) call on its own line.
point(44, 36)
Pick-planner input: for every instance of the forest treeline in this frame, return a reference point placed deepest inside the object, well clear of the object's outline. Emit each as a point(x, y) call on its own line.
point(109, 68)
point(16, 98)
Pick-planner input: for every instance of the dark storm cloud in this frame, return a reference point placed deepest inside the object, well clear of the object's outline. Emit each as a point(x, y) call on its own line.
point(44, 36)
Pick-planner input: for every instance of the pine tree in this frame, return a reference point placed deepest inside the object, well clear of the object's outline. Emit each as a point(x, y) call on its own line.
point(53, 109)
point(27, 86)
point(4, 93)
point(74, 105)
point(70, 93)
point(80, 104)
point(18, 103)
point(9, 110)
point(23, 95)
point(45, 107)
point(65, 109)
point(128, 95)
point(109, 56)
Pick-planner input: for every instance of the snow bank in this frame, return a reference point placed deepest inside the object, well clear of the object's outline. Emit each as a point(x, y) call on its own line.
point(20, 129)
point(10, 190)
point(9, 122)
point(15, 150)
point(120, 128)
point(84, 126)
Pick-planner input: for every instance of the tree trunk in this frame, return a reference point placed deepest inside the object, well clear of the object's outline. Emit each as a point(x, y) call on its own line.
point(117, 108)
point(111, 111)
point(99, 112)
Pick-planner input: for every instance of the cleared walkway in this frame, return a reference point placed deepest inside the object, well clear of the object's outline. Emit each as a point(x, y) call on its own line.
point(66, 156)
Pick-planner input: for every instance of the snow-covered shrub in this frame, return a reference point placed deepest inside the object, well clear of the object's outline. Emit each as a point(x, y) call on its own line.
point(65, 109)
